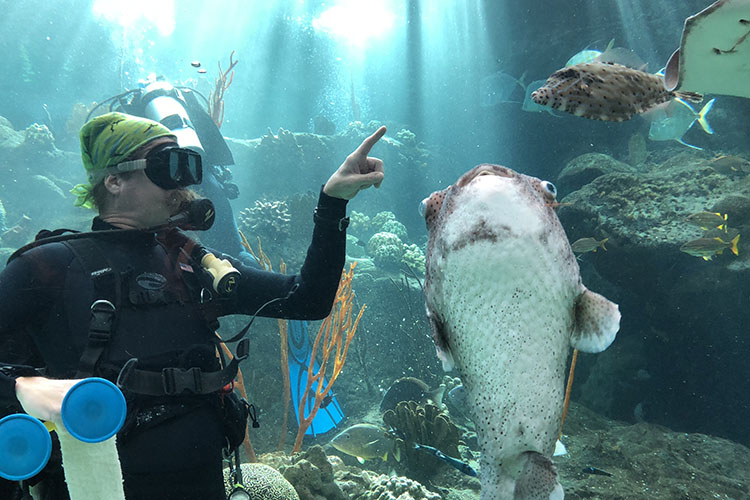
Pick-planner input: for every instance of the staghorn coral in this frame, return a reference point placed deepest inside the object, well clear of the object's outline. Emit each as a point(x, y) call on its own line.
point(262, 482)
point(425, 425)
point(386, 250)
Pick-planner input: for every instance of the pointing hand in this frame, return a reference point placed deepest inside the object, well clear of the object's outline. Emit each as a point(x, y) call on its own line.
point(358, 171)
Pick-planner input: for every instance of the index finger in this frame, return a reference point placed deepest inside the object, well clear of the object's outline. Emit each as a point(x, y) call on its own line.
point(368, 143)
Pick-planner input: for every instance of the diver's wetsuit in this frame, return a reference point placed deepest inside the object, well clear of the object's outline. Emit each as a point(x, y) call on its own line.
point(45, 301)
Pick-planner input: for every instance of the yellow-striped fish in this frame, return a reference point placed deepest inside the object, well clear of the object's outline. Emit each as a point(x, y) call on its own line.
point(708, 220)
point(706, 248)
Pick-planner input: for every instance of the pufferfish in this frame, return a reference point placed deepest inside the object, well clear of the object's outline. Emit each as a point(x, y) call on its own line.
point(506, 305)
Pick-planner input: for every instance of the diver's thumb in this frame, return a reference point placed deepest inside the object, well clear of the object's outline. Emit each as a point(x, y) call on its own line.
point(371, 179)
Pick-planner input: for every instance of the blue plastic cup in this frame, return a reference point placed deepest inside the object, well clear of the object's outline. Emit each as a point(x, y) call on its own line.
point(25, 446)
point(93, 410)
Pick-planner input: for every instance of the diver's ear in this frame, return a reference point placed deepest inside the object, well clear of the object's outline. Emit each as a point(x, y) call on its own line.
point(113, 183)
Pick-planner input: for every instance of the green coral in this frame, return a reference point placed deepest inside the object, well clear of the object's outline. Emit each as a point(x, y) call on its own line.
point(386, 250)
point(395, 227)
point(359, 224)
point(380, 219)
point(414, 258)
point(262, 482)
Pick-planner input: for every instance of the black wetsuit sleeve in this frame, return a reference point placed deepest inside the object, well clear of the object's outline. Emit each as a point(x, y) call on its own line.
point(27, 288)
point(309, 294)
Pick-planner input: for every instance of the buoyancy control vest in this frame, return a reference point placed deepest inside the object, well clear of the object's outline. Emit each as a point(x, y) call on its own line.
point(149, 318)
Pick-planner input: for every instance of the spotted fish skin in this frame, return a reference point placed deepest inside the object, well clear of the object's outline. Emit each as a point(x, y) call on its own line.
point(505, 303)
point(604, 91)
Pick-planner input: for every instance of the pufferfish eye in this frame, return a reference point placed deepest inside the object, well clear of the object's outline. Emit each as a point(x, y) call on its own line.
point(423, 207)
point(549, 187)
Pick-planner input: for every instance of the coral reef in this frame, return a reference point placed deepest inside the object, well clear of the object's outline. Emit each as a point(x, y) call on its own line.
point(386, 250)
point(406, 137)
point(311, 474)
point(426, 425)
point(383, 487)
point(269, 219)
point(414, 258)
point(644, 215)
point(39, 138)
point(9, 137)
point(583, 169)
point(262, 482)
point(393, 226)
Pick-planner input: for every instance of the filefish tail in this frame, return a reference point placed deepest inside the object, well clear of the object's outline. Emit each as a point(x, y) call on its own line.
point(689, 96)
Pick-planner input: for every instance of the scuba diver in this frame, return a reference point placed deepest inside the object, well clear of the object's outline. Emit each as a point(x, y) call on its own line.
point(179, 108)
point(136, 301)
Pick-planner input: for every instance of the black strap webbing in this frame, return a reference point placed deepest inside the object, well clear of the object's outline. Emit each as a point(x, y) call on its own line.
point(107, 297)
point(176, 381)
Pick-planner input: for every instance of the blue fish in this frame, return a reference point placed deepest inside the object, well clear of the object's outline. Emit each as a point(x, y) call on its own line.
point(672, 122)
point(587, 55)
point(497, 88)
point(453, 462)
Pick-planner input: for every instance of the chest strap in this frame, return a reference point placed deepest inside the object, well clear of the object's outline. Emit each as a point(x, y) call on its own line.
point(106, 281)
point(175, 381)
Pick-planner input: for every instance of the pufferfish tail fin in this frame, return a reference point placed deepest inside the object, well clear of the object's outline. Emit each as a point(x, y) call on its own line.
point(597, 321)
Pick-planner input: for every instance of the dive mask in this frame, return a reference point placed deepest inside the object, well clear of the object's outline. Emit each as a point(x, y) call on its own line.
point(168, 166)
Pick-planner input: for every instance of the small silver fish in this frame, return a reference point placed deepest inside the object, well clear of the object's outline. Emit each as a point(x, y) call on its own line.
point(605, 91)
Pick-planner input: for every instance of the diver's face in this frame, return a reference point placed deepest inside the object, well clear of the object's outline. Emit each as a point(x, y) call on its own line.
point(144, 203)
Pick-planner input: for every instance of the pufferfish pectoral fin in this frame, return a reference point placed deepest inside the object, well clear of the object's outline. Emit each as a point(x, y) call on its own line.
point(597, 321)
point(439, 338)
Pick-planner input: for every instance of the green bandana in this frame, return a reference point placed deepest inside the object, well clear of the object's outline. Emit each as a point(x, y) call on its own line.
point(108, 140)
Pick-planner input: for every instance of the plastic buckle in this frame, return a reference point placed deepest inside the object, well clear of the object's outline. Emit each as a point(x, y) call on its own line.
point(176, 381)
point(243, 350)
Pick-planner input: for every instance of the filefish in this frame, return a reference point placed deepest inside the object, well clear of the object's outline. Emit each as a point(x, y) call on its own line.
point(505, 304)
point(364, 441)
point(605, 91)
point(584, 245)
point(708, 220)
point(706, 248)
point(673, 121)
